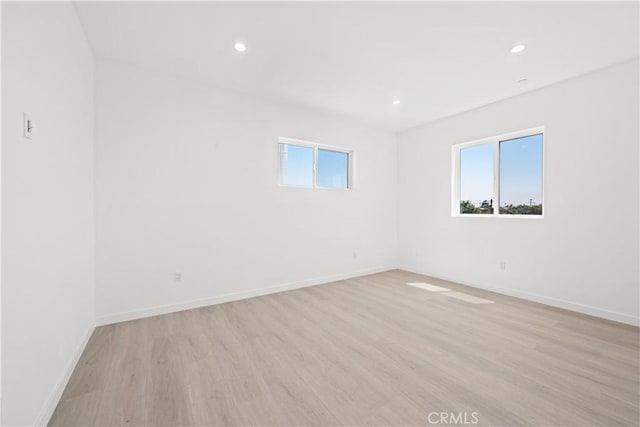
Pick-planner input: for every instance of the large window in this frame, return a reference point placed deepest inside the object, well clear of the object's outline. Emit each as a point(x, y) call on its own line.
point(499, 176)
point(305, 164)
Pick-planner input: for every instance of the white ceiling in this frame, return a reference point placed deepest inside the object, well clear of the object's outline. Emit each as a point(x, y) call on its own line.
point(353, 59)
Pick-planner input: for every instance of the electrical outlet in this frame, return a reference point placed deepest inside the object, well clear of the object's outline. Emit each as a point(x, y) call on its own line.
point(503, 265)
point(177, 276)
point(27, 126)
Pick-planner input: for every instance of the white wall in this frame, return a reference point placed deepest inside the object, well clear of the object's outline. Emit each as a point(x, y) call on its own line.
point(584, 254)
point(47, 205)
point(186, 180)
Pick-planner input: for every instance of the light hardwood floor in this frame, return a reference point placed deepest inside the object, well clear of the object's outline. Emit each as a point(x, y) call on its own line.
point(364, 351)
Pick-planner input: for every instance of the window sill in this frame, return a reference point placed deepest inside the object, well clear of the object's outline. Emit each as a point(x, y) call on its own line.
point(498, 216)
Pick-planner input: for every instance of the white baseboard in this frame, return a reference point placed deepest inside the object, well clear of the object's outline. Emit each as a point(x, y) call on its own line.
point(234, 296)
point(52, 402)
point(553, 302)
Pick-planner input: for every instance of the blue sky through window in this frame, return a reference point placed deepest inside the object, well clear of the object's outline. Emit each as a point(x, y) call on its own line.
point(333, 169)
point(297, 167)
point(476, 173)
point(521, 171)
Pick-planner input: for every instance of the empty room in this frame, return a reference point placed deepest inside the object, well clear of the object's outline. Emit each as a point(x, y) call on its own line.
point(320, 213)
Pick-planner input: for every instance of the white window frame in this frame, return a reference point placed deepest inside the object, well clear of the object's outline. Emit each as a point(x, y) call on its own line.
point(316, 146)
point(495, 141)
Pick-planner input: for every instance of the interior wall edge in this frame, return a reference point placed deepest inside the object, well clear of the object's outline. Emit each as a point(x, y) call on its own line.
point(50, 405)
point(542, 299)
point(230, 297)
point(47, 205)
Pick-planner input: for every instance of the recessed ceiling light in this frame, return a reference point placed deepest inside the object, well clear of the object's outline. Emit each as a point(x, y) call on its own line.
point(523, 80)
point(396, 101)
point(240, 47)
point(518, 48)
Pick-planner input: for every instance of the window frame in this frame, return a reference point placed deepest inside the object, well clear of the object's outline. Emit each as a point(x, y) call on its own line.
point(495, 141)
point(316, 146)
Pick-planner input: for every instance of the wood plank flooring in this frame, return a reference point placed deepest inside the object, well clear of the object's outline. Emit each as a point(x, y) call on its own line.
point(365, 351)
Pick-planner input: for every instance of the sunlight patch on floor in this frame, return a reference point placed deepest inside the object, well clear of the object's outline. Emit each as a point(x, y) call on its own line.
point(428, 287)
point(468, 298)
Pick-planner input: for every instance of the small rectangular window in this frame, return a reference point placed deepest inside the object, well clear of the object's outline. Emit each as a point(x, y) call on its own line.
point(306, 164)
point(499, 176)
